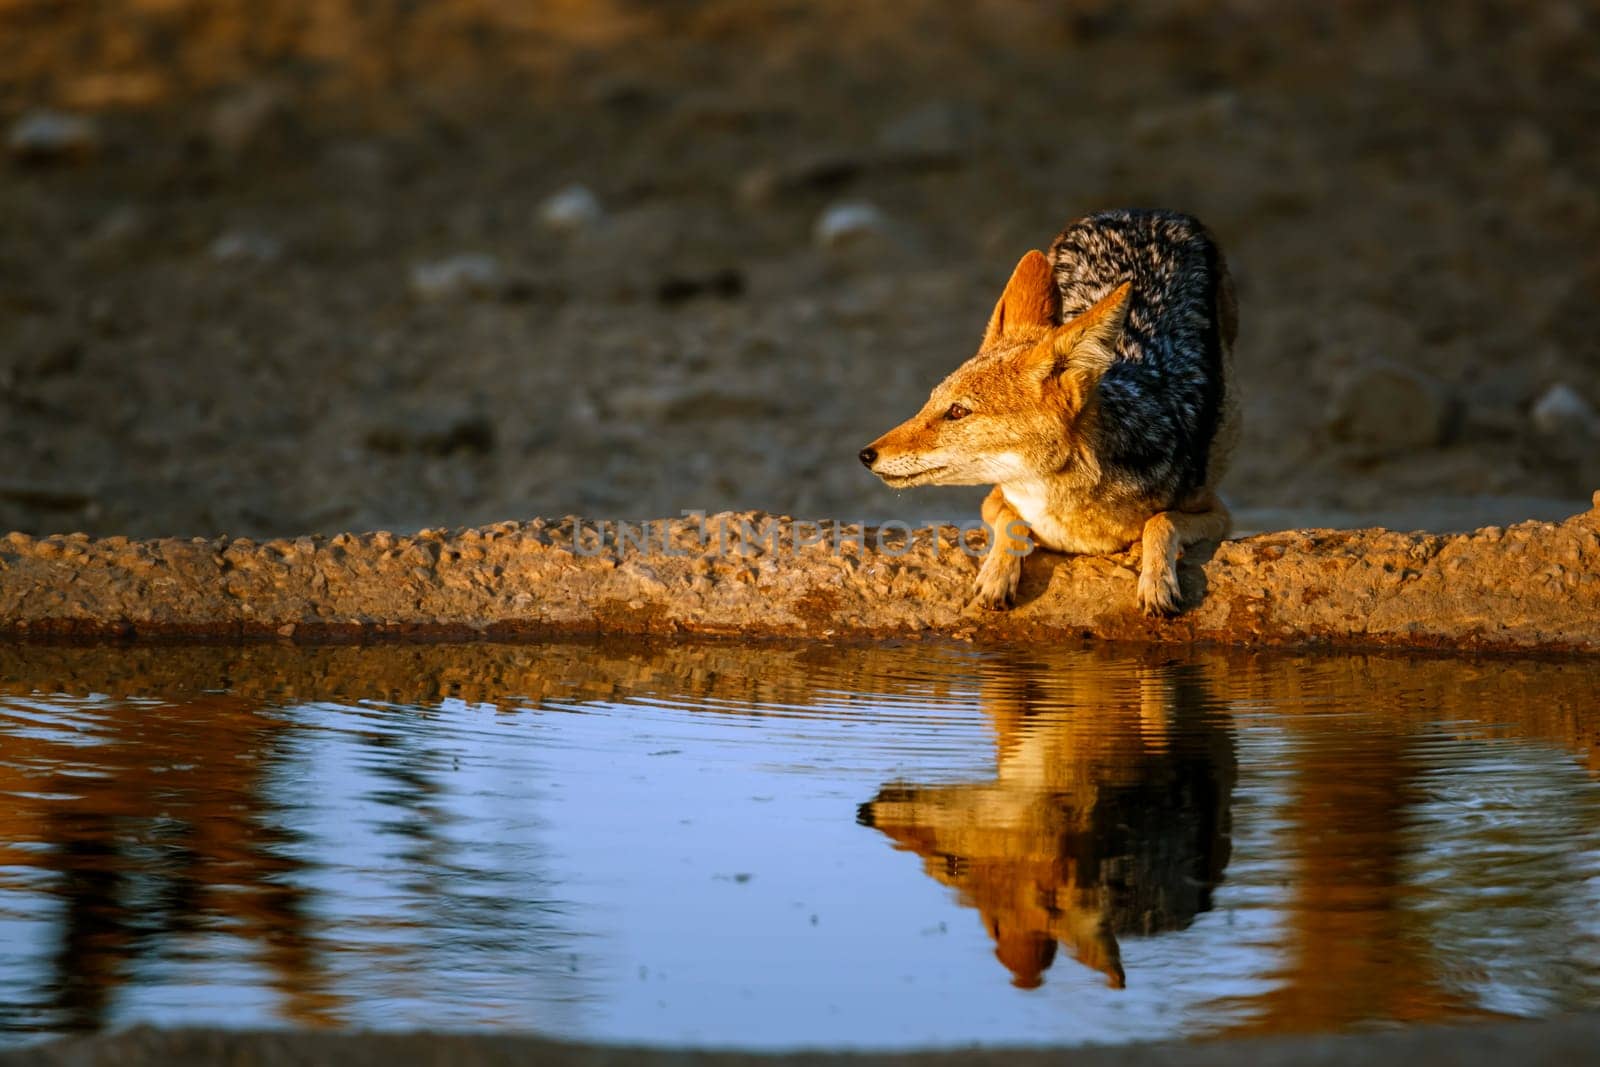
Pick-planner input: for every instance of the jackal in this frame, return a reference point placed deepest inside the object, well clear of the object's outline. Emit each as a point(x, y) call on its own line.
point(1109, 814)
point(1097, 404)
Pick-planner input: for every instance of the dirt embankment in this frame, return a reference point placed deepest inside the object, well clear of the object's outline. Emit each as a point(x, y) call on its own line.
point(1533, 585)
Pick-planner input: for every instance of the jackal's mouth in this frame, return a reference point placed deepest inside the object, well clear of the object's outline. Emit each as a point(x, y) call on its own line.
point(902, 481)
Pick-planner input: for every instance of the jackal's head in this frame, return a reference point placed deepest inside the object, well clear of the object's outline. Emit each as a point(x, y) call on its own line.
point(1018, 408)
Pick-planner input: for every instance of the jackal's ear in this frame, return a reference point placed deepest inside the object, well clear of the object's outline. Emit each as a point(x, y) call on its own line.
point(1086, 347)
point(1030, 303)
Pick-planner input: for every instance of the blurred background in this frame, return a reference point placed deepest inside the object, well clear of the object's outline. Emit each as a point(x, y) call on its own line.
point(312, 265)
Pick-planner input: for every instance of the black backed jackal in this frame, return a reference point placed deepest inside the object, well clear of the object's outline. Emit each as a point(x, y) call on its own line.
point(1097, 404)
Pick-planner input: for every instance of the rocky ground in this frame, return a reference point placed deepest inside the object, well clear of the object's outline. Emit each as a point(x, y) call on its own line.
point(359, 264)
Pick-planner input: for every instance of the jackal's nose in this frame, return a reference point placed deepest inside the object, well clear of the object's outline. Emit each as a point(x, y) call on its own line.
point(869, 456)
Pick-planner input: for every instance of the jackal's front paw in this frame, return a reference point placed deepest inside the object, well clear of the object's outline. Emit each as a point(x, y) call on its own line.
point(995, 587)
point(1159, 593)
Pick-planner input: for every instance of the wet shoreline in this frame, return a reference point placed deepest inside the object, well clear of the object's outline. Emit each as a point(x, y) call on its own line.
point(1557, 1041)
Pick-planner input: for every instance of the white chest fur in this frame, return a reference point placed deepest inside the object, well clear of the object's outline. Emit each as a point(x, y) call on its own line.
point(1066, 523)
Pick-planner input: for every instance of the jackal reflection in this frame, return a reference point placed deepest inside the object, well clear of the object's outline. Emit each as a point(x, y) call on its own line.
point(1108, 814)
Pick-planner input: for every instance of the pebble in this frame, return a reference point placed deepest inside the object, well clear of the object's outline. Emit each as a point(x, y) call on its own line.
point(118, 228)
point(246, 246)
point(850, 223)
point(1388, 407)
point(571, 209)
point(241, 119)
point(810, 173)
point(1562, 410)
point(939, 133)
point(45, 136)
point(470, 274)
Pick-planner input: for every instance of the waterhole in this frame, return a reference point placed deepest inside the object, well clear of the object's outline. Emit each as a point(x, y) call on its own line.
point(787, 846)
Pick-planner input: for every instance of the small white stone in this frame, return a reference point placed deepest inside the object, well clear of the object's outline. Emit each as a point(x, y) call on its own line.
point(468, 274)
point(1561, 409)
point(849, 222)
point(571, 209)
point(49, 135)
point(246, 246)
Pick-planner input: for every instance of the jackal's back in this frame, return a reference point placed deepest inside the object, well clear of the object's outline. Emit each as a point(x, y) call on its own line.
point(1163, 400)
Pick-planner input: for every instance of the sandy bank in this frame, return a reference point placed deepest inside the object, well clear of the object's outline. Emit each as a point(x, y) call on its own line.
point(1532, 585)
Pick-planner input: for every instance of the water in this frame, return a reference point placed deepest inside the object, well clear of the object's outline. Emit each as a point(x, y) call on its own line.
point(793, 846)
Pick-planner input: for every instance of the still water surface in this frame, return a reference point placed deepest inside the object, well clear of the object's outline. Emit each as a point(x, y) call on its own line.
point(780, 846)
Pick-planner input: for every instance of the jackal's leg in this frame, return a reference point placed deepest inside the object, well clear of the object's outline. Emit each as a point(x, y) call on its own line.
point(1165, 533)
point(996, 584)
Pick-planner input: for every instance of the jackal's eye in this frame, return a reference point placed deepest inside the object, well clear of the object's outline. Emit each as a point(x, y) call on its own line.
point(957, 411)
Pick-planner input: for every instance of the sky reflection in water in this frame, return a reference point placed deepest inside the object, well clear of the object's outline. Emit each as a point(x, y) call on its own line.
point(786, 846)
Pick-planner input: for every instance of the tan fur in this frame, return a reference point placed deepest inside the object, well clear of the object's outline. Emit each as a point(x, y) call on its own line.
point(1030, 300)
point(1165, 534)
point(1002, 567)
point(1030, 389)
